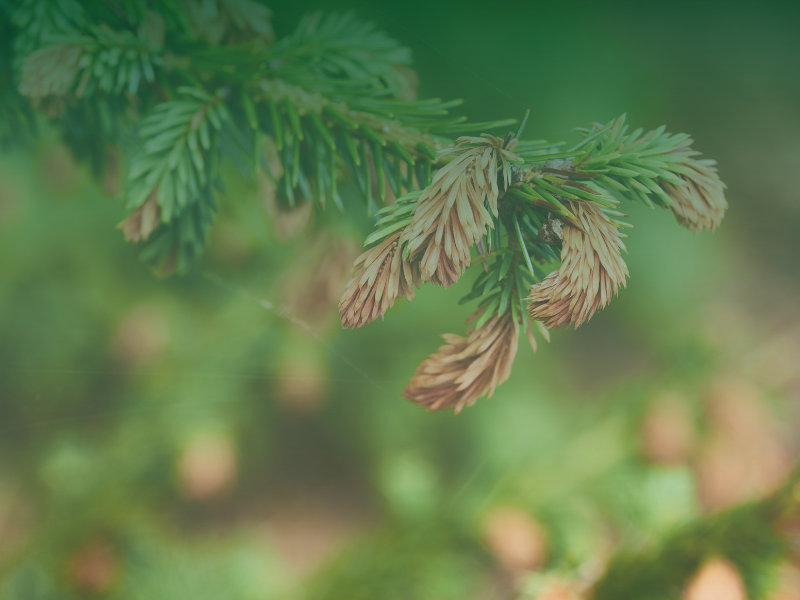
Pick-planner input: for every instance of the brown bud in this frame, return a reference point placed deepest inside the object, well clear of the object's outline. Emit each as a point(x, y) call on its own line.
point(552, 231)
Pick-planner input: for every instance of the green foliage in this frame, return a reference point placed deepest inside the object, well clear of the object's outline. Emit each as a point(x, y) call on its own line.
point(634, 165)
point(393, 217)
point(41, 23)
point(378, 569)
point(229, 21)
point(340, 47)
point(744, 535)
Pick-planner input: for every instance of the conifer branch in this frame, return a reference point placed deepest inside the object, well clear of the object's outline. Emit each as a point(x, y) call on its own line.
point(190, 86)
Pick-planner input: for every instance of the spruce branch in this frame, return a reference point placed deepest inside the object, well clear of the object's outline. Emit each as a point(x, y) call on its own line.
point(340, 47)
point(656, 168)
point(549, 197)
point(317, 137)
point(337, 100)
point(103, 60)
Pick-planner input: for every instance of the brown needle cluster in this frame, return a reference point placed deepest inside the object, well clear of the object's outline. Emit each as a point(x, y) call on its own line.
point(451, 216)
point(591, 271)
point(379, 276)
point(143, 221)
point(700, 202)
point(465, 368)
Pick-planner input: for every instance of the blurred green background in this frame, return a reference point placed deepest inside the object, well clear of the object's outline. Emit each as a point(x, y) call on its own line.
point(177, 438)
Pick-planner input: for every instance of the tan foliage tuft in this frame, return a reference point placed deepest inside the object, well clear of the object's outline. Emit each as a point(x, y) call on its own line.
point(591, 271)
point(465, 368)
point(700, 202)
point(451, 216)
point(379, 276)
